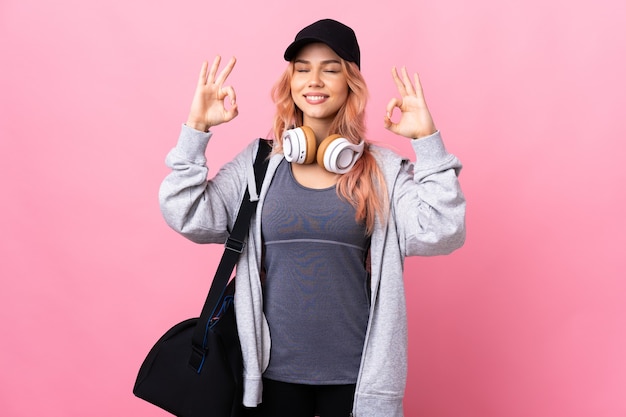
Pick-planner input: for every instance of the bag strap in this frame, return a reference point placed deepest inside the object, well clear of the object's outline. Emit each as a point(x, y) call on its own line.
point(234, 247)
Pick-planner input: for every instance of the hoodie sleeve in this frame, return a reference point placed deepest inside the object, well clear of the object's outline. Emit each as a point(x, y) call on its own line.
point(428, 204)
point(202, 211)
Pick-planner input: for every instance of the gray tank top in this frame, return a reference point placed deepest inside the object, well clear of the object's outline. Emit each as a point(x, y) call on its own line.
point(316, 295)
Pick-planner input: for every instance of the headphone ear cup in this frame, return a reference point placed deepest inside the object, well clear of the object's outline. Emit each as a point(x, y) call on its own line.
point(299, 145)
point(337, 154)
point(311, 144)
point(323, 147)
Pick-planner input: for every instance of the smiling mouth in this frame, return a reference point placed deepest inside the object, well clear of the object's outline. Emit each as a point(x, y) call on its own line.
point(315, 98)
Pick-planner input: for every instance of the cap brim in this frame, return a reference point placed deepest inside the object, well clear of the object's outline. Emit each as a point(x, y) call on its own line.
point(293, 49)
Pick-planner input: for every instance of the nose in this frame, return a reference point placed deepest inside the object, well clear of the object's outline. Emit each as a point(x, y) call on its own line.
point(315, 80)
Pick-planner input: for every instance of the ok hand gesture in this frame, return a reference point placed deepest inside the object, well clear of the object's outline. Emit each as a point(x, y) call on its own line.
point(208, 108)
point(415, 119)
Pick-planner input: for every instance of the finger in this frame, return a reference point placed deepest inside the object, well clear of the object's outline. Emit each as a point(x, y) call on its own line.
point(203, 73)
point(226, 71)
point(419, 91)
point(398, 81)
point(393, 103)
point(229, 92)
point(389, 124)
point(233, 110)
point(407, 82)
point(214, 67)
point(231, 113)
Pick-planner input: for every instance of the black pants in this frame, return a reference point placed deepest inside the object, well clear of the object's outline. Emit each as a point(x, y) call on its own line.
point(281, 399)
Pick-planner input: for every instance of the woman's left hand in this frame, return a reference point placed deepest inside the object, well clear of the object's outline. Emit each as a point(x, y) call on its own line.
point(415, 119)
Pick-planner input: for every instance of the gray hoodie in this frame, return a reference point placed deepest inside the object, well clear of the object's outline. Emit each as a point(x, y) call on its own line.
point(427, 217)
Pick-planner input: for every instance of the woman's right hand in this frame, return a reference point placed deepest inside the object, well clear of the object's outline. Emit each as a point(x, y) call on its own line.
point(208, 108)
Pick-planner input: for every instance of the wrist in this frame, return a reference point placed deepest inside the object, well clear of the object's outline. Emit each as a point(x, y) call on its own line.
point(202, 127)
point(425, 133)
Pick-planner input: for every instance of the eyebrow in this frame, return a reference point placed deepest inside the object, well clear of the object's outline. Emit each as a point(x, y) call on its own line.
point(326, 62)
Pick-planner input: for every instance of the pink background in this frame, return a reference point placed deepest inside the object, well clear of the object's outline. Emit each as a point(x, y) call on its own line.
point(528, 319)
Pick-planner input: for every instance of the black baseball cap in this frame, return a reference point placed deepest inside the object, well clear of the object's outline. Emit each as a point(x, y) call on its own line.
point(338, 36)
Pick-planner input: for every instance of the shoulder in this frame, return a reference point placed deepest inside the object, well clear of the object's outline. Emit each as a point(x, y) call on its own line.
point(247, 155)
point(382, 154)
point(388, 161)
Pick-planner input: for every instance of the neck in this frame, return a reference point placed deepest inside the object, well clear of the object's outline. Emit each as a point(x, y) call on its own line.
point(313, 176)
point(321, 128)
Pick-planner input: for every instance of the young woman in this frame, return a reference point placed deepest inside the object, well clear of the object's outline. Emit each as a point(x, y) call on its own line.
point(324, 333)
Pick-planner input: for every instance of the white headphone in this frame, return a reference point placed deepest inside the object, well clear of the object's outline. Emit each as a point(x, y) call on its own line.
point(335, 153)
